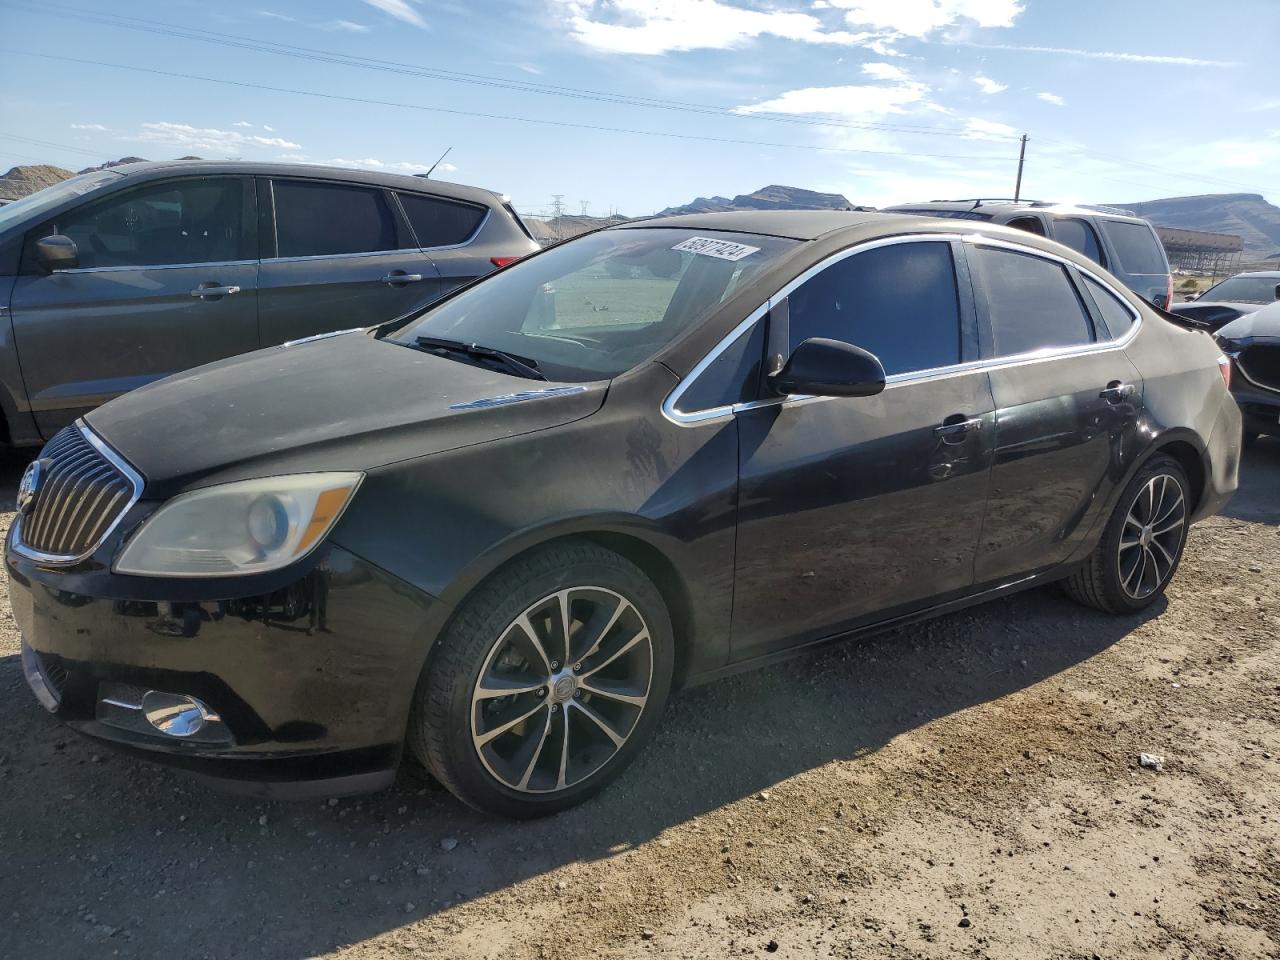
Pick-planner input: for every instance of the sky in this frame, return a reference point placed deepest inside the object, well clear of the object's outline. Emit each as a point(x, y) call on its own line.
point(636, 105)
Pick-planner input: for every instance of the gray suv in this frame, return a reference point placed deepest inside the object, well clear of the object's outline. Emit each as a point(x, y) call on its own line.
point(119, 277)
point(1125, 244)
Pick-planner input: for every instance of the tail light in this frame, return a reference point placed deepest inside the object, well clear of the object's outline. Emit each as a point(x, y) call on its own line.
point(1224, 368)
point(1168, 294)
point(501, 262)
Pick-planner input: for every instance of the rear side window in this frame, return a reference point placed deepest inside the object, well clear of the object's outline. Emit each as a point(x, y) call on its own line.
point(899, 302)
point(1030, 224)
point(440, 223)
point(1137, 247)
point(1079, 235)
point(329, 219)
point(1117, 316)
point(1031, 302)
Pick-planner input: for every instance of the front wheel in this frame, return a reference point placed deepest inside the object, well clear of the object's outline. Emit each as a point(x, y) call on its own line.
point(547, 683)
point(1141, 544)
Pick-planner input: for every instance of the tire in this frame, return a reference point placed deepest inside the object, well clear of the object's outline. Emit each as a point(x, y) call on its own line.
point(506, 636)
point(1114, 583)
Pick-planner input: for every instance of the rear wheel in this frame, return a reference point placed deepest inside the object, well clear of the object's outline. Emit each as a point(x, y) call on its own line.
point(547, 683)
point(1141, 544)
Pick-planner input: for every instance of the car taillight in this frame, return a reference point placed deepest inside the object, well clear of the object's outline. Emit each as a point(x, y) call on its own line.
point(1224, 368)
point(501, 262)
point(1168, 295)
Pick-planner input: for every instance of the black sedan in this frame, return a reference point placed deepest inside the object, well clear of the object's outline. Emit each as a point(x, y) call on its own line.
point(494, 536)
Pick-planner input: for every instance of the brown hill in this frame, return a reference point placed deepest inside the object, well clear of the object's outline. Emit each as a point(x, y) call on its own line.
point(29, 178)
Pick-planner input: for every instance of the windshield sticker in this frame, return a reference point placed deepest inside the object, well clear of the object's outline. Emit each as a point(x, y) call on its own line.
point(720, 249)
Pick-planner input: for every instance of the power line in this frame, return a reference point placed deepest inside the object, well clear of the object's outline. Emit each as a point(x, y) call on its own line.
point(984, 158)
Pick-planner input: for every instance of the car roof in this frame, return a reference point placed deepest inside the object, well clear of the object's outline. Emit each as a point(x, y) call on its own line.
point(789, 224)
point(458, 191)
point(1018, 206)
point(1265, 274)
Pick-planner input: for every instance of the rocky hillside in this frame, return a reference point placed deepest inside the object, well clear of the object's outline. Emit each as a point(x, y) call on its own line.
point(772, 197)
point(1247, 215)
point(20, 181)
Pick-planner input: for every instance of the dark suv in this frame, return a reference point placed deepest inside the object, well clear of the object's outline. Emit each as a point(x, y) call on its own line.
point(1123, 243)
point(119, 277)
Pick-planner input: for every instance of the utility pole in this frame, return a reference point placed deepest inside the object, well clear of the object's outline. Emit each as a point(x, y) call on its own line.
point(1022, 157)
point(584, 204)
point(557, 204)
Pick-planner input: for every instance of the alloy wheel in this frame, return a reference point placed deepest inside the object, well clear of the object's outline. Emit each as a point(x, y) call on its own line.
point(1152, 536)
point(562, 689)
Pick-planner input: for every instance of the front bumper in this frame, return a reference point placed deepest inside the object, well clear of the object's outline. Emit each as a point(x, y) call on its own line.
point(1259, 407)
point(310, 685)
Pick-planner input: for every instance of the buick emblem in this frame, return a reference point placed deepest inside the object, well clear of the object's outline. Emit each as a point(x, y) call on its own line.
point(29, 485)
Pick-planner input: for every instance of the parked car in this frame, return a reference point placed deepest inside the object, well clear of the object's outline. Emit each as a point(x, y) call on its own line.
point(119, 277)
point(1253, 344)
point(1231, 298)
point(1125, 244)
point(496, 535)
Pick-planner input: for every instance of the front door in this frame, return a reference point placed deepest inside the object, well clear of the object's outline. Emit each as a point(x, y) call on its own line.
point(166, 281)
point(854, 509)
point(344, 257)
point(1067, 410)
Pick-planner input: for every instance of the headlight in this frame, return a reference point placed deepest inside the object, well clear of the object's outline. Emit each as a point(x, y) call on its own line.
point(251, 526)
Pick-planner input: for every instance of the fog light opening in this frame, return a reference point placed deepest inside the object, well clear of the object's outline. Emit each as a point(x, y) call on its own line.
point(176, 715)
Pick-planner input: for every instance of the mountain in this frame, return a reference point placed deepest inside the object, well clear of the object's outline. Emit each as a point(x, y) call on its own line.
point(1246, 215)
point(772, 197)
point(20, 181)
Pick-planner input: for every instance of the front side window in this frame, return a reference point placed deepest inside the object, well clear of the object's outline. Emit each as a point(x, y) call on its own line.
point(1117, 316)
point(206, 220)
point(1031, 302)
point(33, 204)
point(1079, 236)
point(1137, 247)
point(440, 223)
point(330, 219)
point(596, 306)
point(898, 302)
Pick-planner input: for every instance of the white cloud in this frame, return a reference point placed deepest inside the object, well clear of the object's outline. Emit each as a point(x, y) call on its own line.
point(400, 9)
point(368, 162)
point(268, 129)
point(851, 100)
point(345, 26)
point(918, 18)
point(88, 126)
point(976, 128)
point(884, 71)
point(207, 138)
point(446, 167)
point(1099, 54)
point(242, 123)
point(651, 27)
point(1053, 98)
point(272, 15)
point(989, 86)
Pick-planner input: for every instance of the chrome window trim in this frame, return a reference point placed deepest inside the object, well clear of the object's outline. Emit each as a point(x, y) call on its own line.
point(120, 464)
point(158, 266)
point(713, 414)
point(342, 256)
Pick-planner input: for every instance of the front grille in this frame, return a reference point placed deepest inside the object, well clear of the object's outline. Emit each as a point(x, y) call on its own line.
point(1261, 364)
point(80, 494)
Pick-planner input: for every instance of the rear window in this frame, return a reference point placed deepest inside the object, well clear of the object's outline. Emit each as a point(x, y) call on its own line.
point(1031, 303)
point(1137, 247)
point(328, 219)
point(1117, 316)
point(1080, 237)
point(440, 223)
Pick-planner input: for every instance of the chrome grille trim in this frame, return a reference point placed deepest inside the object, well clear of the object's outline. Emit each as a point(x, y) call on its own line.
point(72, 509)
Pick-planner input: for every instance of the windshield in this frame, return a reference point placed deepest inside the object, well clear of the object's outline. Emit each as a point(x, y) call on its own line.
point(34, 203)
point(1245, 290)
point(596, 306)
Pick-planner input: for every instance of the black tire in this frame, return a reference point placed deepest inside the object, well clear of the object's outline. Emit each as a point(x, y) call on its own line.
point(1107, 583)
point(445, 718)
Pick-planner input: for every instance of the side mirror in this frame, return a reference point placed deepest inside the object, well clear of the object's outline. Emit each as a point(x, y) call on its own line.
point(830, 368)
point(57, 252)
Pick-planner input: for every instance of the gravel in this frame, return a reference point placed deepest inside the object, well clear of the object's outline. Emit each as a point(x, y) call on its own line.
point(981, 766)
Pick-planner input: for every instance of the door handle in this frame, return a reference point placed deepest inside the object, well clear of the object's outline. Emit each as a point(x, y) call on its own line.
point(209, 290)
point(956, 427)
point(1117, 392)
point(397, 276)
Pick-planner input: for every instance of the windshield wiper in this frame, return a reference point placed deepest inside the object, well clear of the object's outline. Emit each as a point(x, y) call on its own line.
point(520, 366)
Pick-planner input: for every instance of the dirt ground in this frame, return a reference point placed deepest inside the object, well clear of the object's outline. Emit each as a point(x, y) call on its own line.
point(969, 787)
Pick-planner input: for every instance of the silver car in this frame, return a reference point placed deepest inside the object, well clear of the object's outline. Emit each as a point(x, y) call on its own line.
point(119, 277)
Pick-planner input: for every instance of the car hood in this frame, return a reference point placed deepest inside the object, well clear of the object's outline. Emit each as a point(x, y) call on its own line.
point(1264, 322)
point(347, 402)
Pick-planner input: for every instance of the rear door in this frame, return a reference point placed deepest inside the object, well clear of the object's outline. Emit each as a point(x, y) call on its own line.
point(167, 280)
point(853, 509)
point(341, 256)
point(446, 230)
point(1067, 409)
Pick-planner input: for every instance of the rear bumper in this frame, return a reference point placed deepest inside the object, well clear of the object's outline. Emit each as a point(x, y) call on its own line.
point(307, 689)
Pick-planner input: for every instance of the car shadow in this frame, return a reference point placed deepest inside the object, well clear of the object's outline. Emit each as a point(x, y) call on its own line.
point(1259, 483)
point(103, 852)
